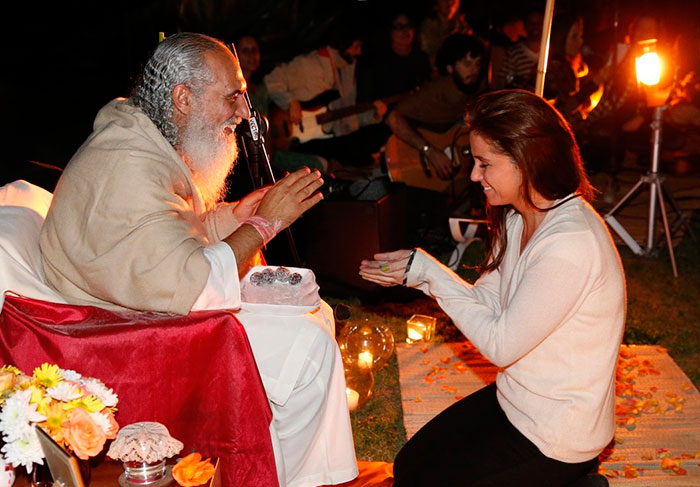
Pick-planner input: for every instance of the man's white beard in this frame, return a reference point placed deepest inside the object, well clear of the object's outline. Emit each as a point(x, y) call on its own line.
point(210, 151)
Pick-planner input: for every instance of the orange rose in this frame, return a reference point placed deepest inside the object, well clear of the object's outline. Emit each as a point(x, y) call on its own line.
point(83, 435)
point(7, 381)
point(191, 471)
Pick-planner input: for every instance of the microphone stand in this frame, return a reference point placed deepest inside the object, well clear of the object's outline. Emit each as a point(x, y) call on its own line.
point(256, 156)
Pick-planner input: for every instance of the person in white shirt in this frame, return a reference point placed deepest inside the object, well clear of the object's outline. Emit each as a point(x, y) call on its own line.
point(548, 310)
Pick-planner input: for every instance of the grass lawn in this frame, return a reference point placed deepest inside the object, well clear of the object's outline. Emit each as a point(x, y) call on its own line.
point(661, 310)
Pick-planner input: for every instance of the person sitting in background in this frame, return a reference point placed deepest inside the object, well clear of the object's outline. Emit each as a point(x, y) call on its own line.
point(322, 79)
point(396, 65)
point(136, 223)
point(445, 21)
point(518, 68)
point(551, 411)
point(248, 50)
point(441, 103)
point(566, 83)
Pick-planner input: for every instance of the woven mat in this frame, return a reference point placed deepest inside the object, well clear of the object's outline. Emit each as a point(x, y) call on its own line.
point(657, 439)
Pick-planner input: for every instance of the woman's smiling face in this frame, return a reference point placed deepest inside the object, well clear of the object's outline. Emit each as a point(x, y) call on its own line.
point(498, 175)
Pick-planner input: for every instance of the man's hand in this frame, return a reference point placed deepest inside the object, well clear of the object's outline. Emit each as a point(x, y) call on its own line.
point(295, 112)
point(291, 196)
point(442, 164)
point(248, 205)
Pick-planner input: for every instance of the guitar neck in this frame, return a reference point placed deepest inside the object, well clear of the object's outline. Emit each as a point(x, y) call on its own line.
point(343, 112)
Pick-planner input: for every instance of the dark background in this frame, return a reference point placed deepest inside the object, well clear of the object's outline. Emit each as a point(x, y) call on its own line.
point(64, 60)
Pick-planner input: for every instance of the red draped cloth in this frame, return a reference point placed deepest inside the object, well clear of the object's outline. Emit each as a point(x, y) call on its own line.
point(195, 374)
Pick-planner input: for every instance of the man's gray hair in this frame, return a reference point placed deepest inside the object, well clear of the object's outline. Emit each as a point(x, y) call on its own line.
point(179, 59)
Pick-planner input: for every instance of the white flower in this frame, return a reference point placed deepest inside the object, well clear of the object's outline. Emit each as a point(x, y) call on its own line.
point(64, 391)
point(17, 414)
point(24, 451)
point(100, 391)
point(71, 375)
point(101, 421)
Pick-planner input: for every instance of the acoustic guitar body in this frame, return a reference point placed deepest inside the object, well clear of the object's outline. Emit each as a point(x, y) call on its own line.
point(404, 163)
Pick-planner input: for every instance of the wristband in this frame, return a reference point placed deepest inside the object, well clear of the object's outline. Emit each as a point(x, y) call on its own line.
point(266, 229)
point(408, 265)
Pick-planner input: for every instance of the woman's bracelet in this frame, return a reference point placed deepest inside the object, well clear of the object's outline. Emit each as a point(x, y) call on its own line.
point(408, 266)
point(266, 229)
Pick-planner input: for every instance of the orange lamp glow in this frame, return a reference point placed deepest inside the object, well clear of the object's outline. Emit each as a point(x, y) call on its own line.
point(648, 63)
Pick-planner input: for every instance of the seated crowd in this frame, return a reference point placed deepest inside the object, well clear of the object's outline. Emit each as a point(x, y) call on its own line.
point(385, 71)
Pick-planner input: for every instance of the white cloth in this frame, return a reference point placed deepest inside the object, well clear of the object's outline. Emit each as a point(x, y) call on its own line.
point(552, 318)
point(297, 356)
point(302, 371)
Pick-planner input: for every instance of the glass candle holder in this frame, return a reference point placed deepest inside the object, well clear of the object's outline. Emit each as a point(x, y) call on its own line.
point(359, 386)
point(420, 328)
point(366, 345)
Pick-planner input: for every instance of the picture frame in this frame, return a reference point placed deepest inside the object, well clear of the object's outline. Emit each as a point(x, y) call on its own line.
point(62, 464)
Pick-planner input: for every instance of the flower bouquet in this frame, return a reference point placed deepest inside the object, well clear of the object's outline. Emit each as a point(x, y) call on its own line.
point(78, 413)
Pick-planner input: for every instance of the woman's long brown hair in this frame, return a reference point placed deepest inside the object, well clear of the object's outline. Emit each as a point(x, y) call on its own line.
point(538, 140)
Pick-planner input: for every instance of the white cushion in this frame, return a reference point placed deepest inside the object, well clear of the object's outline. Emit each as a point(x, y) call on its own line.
point(23, 207)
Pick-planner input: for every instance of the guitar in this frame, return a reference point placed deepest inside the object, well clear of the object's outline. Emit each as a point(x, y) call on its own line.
point(408, 165)
point(283, 131)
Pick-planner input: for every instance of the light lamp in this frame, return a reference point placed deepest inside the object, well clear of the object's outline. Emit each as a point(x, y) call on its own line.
point(647, 63)
point(649, 69)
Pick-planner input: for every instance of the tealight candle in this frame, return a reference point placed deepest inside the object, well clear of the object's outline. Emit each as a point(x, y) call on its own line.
point(420, 328)
point(365, 359)
point(414, 334)
point(353, 398)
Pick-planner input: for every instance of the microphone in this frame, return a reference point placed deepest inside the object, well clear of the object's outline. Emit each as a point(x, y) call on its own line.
point(258, 125)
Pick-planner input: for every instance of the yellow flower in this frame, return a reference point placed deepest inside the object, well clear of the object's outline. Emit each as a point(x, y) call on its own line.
point(55, 417)
point(40, 398)
point(90, 403)
point(47, 375)
point(11, 368)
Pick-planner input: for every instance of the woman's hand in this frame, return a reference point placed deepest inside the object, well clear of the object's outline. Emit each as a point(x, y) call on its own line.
point(387, 269)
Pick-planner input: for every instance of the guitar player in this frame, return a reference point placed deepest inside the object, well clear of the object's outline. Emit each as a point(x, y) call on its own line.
point(441, 104)
point(310, 76)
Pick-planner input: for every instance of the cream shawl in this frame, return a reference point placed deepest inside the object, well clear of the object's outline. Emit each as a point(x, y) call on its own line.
point(127, 226)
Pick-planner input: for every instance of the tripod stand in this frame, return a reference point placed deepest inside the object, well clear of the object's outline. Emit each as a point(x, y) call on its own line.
point(656, 194)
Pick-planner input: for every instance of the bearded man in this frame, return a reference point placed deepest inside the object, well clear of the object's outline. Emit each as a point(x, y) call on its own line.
point(441, 103)
point(137, 223)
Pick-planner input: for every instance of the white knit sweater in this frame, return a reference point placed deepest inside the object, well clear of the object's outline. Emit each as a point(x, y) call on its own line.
point(552, 319)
